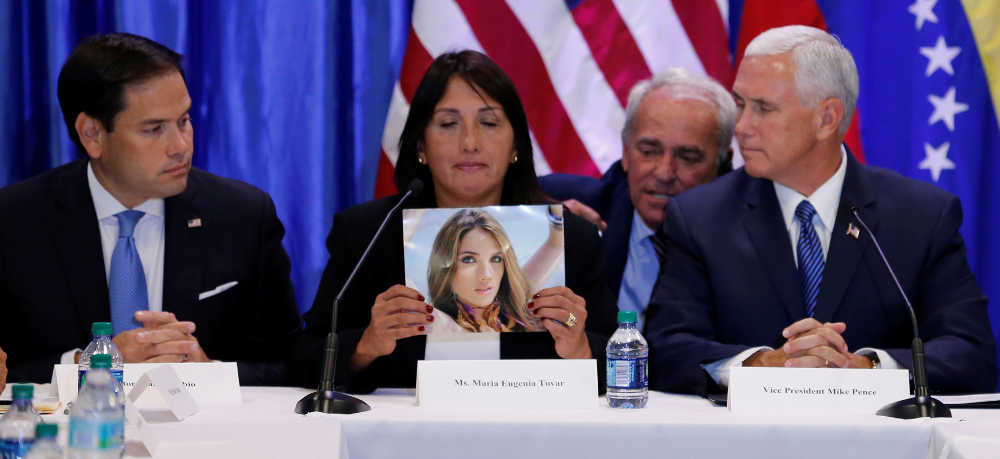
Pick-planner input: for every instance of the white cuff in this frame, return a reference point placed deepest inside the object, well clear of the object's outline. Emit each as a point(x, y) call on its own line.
point(69, 357)
point(884, 359)
point(719, 369)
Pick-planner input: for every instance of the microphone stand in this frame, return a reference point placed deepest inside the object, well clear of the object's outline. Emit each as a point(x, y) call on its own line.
point(921, 405)
point(325, 399)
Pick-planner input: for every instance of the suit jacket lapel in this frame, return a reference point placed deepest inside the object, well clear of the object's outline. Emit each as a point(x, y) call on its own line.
point(844, 253)
point(183, 249)
point(77, 238)
point(766, 228)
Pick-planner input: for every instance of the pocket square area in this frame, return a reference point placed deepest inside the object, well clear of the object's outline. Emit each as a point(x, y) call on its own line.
point(217, 290)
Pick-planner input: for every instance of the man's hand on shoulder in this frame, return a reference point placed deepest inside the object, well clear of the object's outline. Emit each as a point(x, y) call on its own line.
point(161, 339)
point(586, 212)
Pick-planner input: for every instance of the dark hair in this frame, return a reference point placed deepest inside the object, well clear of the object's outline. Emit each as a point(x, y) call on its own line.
point(520, 185)
point(93, 79)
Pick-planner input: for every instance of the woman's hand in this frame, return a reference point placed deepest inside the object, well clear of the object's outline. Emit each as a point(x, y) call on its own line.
point(399, 312)
point(564, 315)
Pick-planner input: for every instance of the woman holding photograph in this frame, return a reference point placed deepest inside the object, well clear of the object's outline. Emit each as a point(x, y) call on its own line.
point(466, 137)
point(474, 277)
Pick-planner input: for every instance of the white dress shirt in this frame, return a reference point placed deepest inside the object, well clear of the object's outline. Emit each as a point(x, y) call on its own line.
point(148, 235)
point(826, 200)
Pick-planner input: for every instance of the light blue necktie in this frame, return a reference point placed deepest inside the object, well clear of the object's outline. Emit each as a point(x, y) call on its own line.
point(127, 280)
point(810, 254)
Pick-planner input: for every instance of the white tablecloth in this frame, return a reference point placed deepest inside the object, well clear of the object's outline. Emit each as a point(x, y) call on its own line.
point(670, 426)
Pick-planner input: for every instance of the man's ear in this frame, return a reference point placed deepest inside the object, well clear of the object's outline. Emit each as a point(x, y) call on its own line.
point(830, 112)
point(92, 135)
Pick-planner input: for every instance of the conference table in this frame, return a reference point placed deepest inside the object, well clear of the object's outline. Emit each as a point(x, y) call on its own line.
point(671, 425)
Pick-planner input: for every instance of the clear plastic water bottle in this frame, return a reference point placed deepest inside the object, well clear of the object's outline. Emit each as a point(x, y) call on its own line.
point(97, 420)
point(17, 427)
point(46, 445)
point(628, 383)
point(101, 344)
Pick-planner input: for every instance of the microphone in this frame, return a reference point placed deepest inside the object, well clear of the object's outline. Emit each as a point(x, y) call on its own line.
point(325, 399)
point(921, 405)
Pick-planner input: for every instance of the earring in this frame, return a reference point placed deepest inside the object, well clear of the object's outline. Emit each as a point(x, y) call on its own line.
point(514, 160)
point(420, 159)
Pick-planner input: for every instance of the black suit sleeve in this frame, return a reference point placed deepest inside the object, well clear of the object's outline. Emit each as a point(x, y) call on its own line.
point(583, 252)
point(272, 318)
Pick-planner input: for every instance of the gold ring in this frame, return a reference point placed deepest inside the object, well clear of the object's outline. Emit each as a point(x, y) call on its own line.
point(571, 321)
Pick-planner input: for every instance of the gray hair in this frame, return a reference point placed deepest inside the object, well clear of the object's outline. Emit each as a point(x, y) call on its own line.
point(823, 66)
point(682, 84)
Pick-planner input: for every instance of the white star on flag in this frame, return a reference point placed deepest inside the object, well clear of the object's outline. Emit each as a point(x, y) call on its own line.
point(940, 56)
point(936, 160)
point(924, 11)
point(945, 108)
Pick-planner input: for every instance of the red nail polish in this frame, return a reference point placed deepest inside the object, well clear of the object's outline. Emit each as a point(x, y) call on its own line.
point(430, 318)
point(535, 312)
point(429, 309)
point(537, 295)
point(421, 328)
point(421, 297)
point(531, 304)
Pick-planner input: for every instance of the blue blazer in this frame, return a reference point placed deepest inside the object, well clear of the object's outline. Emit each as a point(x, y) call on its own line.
point(609, 196)
point(729, 281)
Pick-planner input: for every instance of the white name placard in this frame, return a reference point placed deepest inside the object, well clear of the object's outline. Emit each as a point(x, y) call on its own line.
point(814, 391)
point(213, 383)
point(507, 384)
point(164, 380)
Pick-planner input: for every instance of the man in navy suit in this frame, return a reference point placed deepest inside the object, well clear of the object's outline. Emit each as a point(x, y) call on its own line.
point(188, 266)
point(767, 266)
point(677, 132)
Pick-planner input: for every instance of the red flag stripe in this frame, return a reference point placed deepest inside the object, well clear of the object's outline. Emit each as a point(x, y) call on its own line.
point(705, 28)
point(853, 137)
point(384, 185)
point(611, 43)
point(761, 15)
point(416, 61)
point(509, 45)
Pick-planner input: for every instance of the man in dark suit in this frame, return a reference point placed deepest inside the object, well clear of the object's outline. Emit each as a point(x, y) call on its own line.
point(187, 266)
point(767, 266)
point(678, 127)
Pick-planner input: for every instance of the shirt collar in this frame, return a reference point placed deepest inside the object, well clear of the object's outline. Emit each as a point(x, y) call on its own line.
point(107, 206)
point(639, 229)
point(825, 199)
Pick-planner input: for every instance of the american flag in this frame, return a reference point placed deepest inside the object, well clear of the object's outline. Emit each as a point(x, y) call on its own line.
point(573, 63)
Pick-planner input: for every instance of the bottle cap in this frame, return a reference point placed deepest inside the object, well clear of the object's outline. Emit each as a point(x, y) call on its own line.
point(101, 328)
point(23, 392)
point(46, 430)
point(626, 316)
point(100, 361)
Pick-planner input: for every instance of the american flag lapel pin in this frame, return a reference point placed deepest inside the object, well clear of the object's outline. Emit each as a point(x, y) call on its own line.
point(853, 231)
point(196, 223)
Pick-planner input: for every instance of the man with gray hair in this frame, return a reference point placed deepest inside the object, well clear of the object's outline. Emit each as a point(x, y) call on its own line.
point(677, 132)
point(768, 266)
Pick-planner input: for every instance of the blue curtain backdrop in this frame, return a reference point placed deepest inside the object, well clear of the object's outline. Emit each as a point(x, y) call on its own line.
point(289, 96)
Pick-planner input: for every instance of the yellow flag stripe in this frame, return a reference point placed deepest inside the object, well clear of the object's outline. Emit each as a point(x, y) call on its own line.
point(984, 17)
